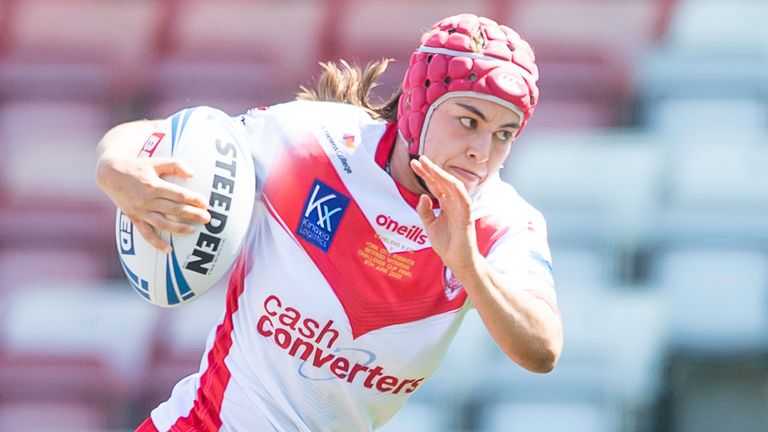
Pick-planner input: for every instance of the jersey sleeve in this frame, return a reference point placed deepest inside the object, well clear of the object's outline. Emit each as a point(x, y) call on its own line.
point(264, 138)
point(522, 255)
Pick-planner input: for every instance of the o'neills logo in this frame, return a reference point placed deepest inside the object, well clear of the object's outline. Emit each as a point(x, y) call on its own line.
point(315, 344)
point(209, 240)
point(414, 233)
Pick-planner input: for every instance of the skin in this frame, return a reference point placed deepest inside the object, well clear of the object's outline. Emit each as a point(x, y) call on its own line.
point(466, 143)
point(137, 187)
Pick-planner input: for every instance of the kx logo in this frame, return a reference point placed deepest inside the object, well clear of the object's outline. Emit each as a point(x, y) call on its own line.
point(322, 215)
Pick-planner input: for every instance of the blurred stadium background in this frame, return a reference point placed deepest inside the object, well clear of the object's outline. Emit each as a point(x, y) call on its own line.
point(648, 155)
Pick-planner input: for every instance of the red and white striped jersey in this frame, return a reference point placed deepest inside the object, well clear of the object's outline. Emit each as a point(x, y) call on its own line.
point(338, 309)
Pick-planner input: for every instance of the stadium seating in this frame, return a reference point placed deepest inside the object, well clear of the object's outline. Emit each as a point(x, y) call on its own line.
point(418, 417)
point(178, 343)
point(52, 417)
point(49, 148)
point(708, 288)
point(76, 48)
point(233, 55)
point(533, 416)
point(75, 343)
point(647, 156)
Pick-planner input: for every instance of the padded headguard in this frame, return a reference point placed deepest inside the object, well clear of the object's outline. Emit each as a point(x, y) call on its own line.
point(466, 55)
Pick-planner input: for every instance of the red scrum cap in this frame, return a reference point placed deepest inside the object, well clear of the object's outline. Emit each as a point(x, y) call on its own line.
point(466, 55)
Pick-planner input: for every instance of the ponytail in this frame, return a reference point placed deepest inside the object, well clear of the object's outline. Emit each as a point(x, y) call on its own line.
point(342, 82)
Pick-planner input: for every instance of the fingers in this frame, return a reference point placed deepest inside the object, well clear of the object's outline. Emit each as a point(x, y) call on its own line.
point(181, 212)
point(168, 223)
point(152, 237)
point(442, 184)
point(172, 191)
point(425, 211)
point(171, 166)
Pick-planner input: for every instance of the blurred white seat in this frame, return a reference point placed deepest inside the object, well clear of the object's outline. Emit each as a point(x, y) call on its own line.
point(573, 113)
point(712, 26)
point(472, 346)
point(712, 50)
point(106, 326)
point(611, 176)
point(614, 340)
point(717, 297)
point(547, 416)
point(686, 114)
point(718, 177)
point(580, 268)
point(418, 416)
point(691, 75)
point(724, 227)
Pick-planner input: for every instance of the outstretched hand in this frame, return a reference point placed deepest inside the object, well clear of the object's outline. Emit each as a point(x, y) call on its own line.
point(452, 232)
point(138, 188)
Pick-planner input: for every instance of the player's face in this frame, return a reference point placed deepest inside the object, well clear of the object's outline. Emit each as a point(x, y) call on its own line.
point(470, 138)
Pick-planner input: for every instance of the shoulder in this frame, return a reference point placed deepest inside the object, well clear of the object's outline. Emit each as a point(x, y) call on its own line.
point(310, 112)
point(500, 200)
point(299, 118)
point(501, 213)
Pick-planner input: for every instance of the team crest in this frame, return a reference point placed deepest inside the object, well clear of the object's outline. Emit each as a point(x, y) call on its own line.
point(350, 141)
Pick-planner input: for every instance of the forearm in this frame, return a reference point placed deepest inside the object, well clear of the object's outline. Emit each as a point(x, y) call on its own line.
point(525, 327)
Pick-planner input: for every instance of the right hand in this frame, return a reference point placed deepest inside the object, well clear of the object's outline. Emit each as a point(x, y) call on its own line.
point(137, 187)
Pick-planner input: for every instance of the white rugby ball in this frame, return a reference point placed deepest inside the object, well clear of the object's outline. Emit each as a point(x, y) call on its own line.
point(208, 140)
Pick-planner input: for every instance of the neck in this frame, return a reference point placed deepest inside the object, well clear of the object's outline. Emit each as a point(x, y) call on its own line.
point(400, 168)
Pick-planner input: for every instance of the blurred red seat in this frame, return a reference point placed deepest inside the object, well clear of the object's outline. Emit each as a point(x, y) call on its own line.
point(48, 148)
point(232, 54)
point(46, 416)
point(74, 47)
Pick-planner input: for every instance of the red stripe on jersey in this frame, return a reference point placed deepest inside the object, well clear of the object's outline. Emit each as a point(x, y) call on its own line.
point(489, 229)
point(384, 149)
point(382, 156)
point(206, 410)
point(371, 299)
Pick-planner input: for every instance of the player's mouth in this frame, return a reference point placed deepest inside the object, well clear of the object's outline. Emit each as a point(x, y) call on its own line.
point(466, 175)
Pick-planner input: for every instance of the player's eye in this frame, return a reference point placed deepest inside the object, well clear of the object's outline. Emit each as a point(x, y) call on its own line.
point(503, 135)
point(468, 122)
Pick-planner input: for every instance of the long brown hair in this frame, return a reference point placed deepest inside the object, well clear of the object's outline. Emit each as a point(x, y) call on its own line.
point(342, 82)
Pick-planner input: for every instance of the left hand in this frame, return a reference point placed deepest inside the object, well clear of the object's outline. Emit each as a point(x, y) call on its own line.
point(452, 233)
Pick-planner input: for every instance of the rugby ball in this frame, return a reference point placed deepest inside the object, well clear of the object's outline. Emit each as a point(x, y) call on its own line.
point(209, 141)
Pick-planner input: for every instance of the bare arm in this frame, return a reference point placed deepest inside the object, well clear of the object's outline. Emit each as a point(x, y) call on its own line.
point(137, 187)
point(524, 326)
